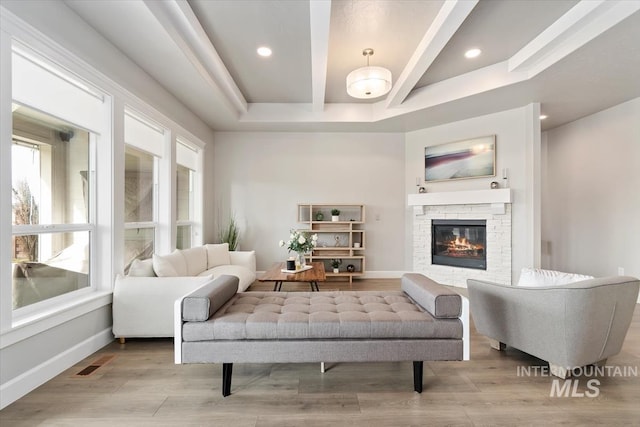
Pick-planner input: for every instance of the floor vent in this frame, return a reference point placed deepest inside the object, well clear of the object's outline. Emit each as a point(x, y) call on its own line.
point(95, 365)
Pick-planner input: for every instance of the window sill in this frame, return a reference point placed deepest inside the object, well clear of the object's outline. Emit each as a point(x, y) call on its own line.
point(31, 325)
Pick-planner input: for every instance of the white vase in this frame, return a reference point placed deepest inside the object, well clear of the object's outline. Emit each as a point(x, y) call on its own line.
point(336, 270)
point(335, 218)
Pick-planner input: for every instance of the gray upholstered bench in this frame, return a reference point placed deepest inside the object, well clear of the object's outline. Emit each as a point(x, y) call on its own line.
point(424, 321)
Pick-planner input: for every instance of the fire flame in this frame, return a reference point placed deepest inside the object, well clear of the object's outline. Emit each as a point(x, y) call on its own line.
point(461, 244)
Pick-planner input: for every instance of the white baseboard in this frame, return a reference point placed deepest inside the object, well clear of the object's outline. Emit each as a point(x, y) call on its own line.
point(17, 387)
point(383, 274)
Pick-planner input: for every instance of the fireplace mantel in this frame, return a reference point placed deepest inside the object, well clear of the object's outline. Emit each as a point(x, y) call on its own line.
point(498, 195)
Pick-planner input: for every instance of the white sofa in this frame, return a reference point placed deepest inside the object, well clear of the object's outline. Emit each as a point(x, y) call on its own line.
point(143, 300)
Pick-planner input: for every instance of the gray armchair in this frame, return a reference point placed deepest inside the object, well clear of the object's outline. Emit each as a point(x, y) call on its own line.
point(569, 325)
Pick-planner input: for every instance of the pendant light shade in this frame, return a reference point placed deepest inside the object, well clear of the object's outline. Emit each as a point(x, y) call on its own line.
point(368, 82)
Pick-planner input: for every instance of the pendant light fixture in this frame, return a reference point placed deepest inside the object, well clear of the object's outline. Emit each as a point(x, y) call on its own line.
point(368, 82)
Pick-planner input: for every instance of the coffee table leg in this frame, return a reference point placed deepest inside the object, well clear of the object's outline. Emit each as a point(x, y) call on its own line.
point(278, 285)
point(312, 284)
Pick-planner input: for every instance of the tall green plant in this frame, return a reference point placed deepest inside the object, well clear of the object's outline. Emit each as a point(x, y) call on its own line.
point(230, 234)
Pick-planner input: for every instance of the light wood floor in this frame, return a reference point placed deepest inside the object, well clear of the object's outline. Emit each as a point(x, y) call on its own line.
point(140, 386)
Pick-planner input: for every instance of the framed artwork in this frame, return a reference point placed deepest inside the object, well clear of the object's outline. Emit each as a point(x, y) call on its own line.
point(471, 158)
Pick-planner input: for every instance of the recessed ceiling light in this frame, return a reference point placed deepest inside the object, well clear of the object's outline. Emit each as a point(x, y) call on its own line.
point(543, 116)
point(264, 51)
point(472, 53)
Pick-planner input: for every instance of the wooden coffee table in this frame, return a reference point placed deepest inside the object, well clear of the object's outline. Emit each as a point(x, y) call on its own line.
point(313, 276)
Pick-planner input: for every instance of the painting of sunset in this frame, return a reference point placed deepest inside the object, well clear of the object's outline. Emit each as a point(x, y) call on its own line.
point(471, 158)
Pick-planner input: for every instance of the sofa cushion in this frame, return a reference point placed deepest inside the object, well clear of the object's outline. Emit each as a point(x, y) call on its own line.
point(199, 305)
point(170, 265)
point(539, 277)
point(246, 276)
point(196, 259)
point(142, 268)
point(321, 315)
point(217, 255)
point(432, 296)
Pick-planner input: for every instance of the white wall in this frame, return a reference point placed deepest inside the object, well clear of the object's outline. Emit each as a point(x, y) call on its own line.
point(591, 198)
point(517, 149)
point(262, 176)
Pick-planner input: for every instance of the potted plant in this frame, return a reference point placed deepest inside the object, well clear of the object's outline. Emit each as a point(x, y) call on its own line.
point(335, 263)
point(335, 215)
point(230, 234)
point(319, 216)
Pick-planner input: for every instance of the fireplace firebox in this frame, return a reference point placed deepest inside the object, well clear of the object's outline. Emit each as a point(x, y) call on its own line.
point(459, 243)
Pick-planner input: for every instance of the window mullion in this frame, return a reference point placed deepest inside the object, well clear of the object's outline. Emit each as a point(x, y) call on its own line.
point(22, 230)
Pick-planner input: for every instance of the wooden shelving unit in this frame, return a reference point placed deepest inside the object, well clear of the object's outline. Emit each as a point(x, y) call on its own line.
point(343, 239)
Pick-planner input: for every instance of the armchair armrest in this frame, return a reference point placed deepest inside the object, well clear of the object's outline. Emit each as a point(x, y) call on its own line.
point(244, 258)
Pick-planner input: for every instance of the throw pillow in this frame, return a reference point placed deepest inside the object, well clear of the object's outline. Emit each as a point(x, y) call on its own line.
point(218, 255)
point(141, 268)
point(196, 259)
point(171, 265)
point(540, 277)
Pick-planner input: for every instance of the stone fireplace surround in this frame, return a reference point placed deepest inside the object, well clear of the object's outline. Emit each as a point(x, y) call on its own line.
point(494, 206)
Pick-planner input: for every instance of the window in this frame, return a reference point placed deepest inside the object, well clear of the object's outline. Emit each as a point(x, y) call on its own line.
point(187, 157)
point(139, 198)
point(52, 182)
point(184, 196)
point(141, 187)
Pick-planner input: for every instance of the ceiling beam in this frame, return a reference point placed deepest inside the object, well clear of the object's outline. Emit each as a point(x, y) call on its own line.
point(581, 24)
point(178, 19)
point(320, 18)
point(444, 26)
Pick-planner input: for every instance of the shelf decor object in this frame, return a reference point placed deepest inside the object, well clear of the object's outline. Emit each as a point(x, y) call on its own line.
point(343, 239)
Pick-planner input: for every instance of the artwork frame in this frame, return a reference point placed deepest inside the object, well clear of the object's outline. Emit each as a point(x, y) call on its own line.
point(463, 159)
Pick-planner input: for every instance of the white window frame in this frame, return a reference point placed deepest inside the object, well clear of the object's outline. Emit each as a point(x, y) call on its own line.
point(143, 140)
point(91, 119)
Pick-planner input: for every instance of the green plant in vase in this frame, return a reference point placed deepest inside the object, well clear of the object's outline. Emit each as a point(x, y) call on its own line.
point(336, 263)
point(335, 215)
point(301, 242)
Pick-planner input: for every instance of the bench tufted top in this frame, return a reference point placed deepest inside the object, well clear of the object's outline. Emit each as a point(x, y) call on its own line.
point(321, 315)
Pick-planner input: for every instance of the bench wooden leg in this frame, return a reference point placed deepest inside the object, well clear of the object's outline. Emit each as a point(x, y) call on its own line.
point(227, 369)
point(417, 376)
